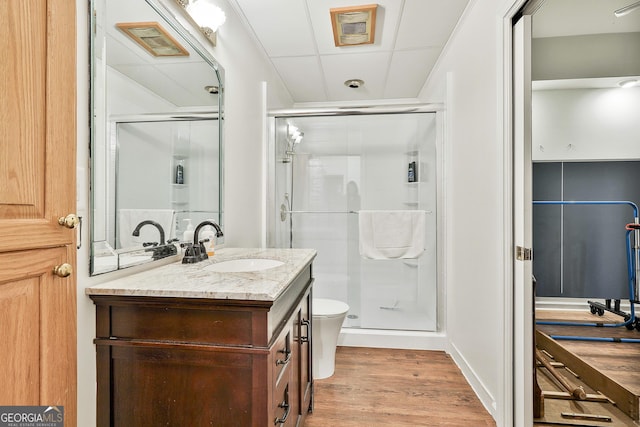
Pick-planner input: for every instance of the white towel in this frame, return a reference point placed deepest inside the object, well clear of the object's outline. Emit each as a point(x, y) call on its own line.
point(392, 234)
point(128, 219)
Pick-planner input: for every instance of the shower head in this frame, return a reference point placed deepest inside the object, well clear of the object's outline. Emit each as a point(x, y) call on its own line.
point(294, 135)
point(298, 137)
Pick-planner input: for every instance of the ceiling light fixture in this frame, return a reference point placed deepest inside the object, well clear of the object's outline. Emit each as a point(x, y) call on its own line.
point(628, 83)
point(353, 25)
point(205, 15)
point(627, 9)
point(354, 83)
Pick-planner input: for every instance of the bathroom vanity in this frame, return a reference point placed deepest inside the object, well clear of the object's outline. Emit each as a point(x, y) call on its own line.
point(182, 345)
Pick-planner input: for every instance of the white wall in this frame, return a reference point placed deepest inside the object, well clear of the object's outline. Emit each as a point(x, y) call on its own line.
point(584, 56)
point(586, 124)
point(468, 78)
point(246, 69)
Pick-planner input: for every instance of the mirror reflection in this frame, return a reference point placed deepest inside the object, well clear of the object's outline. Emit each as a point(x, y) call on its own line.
point(156, 134)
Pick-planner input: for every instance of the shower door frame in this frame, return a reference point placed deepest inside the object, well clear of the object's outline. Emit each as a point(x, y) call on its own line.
point(430, 340)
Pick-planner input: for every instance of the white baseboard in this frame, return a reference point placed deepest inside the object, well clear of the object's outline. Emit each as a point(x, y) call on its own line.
point(573, 303)
point(487, 400)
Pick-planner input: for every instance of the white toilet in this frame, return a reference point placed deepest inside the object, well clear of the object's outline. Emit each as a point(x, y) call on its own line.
point(328, 316)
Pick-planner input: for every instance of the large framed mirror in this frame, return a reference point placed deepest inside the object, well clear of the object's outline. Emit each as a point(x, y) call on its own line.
point(156, 133)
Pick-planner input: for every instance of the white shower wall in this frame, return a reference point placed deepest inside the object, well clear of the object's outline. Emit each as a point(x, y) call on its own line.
point(348, 163)
point(148, 153)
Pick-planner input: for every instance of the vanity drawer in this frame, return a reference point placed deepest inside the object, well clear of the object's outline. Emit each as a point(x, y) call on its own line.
point(174, 321)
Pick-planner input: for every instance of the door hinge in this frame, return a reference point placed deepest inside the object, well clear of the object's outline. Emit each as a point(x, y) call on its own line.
point(524, 254)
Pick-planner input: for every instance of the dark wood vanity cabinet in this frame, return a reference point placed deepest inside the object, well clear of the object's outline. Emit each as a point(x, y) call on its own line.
point(205, 362)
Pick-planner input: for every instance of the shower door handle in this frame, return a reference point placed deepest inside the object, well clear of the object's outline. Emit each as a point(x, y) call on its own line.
point(307, 323)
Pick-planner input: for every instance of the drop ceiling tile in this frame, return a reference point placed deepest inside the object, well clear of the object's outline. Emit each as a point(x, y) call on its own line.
point(303, 77)
point(191, 79)
point(408, 72)
point(370, 67)
point(282, 26)
point(386, 22)
point(165, 86)
point(427, 23)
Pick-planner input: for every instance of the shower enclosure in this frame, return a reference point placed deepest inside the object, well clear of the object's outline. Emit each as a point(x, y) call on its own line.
point(325, 169)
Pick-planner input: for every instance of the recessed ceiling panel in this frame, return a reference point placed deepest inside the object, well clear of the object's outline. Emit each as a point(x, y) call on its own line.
point(303, 77)
point(408, 72)
point(427, 23)
point(282, 26)
point(364, 66)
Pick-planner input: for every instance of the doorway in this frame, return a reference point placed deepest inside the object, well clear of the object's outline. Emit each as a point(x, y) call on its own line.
point(565, 50)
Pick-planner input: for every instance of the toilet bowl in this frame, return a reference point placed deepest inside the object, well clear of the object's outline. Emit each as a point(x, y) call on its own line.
point(328, 316)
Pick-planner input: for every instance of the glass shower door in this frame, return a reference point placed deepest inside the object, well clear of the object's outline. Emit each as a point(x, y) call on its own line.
point(345, 164)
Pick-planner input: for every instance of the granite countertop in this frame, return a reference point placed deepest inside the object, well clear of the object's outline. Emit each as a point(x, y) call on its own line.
point(179, 280)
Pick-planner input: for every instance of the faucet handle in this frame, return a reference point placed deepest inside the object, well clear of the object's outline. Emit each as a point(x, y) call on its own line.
point(192, 253)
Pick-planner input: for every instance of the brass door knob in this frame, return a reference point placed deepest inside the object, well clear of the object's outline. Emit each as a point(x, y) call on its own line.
point(63, 270)
point(69, 221)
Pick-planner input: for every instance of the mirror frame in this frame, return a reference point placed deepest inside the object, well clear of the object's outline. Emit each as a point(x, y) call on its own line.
point(172, 20)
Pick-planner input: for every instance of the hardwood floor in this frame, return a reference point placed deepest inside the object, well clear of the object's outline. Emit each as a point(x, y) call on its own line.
point(386, 387)
point(607, 367)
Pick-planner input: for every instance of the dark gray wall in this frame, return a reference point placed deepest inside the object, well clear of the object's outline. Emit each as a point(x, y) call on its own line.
point(593, 252)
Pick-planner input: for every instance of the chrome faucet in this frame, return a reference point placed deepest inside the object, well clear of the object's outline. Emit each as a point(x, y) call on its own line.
point(196, 252)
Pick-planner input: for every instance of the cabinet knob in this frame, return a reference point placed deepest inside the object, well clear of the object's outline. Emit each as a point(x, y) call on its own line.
point(63, 270)
point(69, 221)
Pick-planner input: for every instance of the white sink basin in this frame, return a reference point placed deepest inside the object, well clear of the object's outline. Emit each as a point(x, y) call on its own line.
point(244, 265)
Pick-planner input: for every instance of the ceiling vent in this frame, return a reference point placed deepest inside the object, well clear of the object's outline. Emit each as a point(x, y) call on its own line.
point(354, 25)
point(153, 38)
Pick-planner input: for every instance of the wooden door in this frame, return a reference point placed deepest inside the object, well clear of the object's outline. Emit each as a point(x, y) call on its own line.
point(37, 186)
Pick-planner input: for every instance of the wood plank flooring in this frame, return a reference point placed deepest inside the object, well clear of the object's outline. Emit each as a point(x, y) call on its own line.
point(617, 362)
point(620, 361)
point(386, 387)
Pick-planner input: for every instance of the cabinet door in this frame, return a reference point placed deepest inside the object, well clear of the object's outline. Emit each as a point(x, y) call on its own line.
point(37, 186)
point(180, 385)
point(306, 376)
point(35, 366)
point(294, 387)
